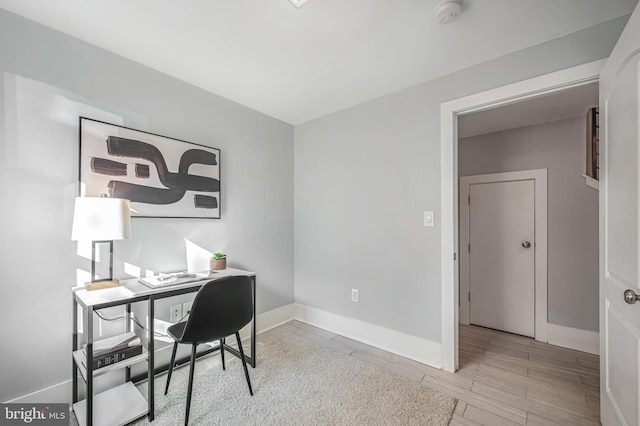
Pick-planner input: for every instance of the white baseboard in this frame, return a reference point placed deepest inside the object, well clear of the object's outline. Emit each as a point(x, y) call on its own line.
point(421, 350)
point(61, 393)
point(418, 349)
point(574, 338)
point(268, 320)
point(275, 317)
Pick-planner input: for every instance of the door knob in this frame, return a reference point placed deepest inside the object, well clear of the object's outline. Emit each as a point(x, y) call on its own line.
point(526, 244)
point(631, 297)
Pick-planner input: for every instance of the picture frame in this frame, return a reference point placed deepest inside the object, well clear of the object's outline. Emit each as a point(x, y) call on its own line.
point(159, 175)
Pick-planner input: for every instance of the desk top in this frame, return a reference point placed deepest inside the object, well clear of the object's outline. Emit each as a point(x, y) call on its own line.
point(132, 290)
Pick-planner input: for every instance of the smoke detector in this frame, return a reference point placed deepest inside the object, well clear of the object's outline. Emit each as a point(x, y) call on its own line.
point(298, 3)
point(447, 11)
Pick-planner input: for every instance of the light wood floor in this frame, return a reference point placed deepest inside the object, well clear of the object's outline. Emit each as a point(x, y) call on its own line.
point(504, 379)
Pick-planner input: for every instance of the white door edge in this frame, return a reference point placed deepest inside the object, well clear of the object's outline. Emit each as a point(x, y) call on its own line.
point(449, 111)
point(539, 176)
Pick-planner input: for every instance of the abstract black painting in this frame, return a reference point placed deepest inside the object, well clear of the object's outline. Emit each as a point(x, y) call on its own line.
point(161, 176)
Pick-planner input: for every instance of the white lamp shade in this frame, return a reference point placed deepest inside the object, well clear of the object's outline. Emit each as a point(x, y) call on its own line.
point(101, 219)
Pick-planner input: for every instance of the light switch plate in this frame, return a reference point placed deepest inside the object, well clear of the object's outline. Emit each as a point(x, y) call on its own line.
point(429, 220)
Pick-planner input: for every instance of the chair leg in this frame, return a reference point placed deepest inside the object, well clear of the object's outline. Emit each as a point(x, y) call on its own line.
point(222, 352)
point(192, 367)
point(173, 360)
point(244, 363)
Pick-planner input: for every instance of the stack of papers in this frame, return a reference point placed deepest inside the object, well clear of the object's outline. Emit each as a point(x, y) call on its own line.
point(176, 278)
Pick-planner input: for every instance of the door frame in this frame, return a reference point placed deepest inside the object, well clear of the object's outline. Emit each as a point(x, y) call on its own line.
point(539, 177)
point(449, 112)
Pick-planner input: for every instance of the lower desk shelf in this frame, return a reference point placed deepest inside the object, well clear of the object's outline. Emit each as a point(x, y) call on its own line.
point(79, 358)
point(114, 407)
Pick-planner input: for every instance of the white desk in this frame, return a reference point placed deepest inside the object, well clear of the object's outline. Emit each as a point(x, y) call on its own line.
point(131, 291)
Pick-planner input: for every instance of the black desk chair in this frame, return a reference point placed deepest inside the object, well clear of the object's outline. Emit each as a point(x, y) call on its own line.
point(221, 308)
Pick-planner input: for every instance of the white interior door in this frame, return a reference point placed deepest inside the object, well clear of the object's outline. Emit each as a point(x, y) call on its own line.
point(620, 321)
point(502, 256)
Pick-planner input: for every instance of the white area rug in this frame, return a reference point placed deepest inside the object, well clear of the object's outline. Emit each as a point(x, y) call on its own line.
point(297, 382)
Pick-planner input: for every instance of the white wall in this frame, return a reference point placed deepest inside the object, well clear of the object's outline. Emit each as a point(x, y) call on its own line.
point(364, 176)
point(573, 208)
point(47, 80)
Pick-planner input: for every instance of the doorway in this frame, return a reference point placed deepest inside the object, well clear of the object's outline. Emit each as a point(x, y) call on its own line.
point(503, 271)
point(528, 89)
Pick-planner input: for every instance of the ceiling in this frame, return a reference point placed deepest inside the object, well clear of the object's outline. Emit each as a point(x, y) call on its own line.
point(299, 64)
point(569, 103)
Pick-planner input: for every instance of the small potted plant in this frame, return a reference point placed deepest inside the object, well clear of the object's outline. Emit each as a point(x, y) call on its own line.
point(218, 261)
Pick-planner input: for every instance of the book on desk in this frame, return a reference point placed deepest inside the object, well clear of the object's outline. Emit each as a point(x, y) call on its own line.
point(114, 349)
point(164, 280)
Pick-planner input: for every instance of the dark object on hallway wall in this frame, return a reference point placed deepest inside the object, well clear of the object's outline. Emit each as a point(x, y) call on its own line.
point(161, 176)
point(593, 143)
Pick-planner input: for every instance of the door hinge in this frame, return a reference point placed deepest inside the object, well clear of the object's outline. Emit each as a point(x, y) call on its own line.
point(469, 199)
point(469, 296)
point(454, 256)
point(469, 248)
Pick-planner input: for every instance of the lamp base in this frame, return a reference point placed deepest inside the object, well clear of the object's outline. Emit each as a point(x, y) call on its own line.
point(99, 285)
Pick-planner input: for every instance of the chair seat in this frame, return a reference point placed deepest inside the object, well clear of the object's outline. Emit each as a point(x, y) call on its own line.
point(177, 332)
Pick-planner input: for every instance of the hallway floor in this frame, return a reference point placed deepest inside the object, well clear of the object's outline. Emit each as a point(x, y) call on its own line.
point(510, 379)
point(504, 379)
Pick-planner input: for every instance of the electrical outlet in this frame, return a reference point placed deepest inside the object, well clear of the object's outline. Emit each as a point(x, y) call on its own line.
point(186, 307)
point(354, 295)
point(175, 313)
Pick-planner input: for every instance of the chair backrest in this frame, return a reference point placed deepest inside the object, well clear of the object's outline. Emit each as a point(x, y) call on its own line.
point(220, 308)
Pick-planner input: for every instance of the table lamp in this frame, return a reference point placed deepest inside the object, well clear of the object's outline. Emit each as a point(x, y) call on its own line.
point(101, 220)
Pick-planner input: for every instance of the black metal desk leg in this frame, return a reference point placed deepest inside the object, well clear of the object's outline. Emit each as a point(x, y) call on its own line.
point(151, 350)
point(74, 347)
point(253, 325)
point(127, 328)
point(89, 332)
point(251, 360)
